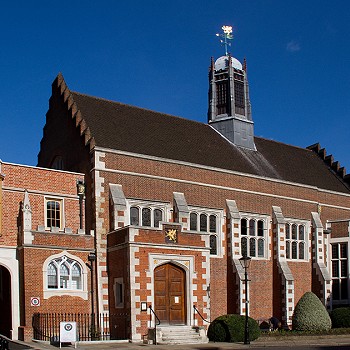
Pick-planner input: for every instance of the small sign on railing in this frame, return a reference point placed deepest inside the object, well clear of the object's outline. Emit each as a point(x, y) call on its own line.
point(68, 333)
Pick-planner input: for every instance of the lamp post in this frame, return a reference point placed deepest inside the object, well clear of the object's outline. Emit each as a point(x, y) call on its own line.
point(245, 262)
point(90, 265)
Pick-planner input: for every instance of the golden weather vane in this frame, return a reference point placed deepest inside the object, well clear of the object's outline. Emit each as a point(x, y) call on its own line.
point(226, 37)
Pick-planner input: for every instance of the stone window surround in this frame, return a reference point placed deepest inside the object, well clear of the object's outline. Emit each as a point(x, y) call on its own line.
point(256, 217)
point(49, 292)
point(62, 216)
point(152, 205)
point(306, 241)
point(219, 220)
point(338, 241)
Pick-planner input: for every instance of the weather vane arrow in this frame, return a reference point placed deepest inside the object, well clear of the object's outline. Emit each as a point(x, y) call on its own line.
point(226, 37)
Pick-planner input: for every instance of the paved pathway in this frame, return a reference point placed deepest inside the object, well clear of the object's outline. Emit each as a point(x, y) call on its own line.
point(295, 342)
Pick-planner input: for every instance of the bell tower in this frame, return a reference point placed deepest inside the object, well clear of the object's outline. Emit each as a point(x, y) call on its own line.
point(229, 109)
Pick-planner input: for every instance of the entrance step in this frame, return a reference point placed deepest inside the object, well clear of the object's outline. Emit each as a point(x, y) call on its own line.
point(181, 335)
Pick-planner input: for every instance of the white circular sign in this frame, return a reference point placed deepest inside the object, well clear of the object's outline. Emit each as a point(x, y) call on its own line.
point(35, 301)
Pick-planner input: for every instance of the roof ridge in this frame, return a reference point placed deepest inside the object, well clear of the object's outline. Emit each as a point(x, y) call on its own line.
point(281, 143)
point(138, 107)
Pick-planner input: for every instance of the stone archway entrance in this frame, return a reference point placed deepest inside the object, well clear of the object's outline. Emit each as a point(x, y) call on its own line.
point(5, 302)
point(170, 294)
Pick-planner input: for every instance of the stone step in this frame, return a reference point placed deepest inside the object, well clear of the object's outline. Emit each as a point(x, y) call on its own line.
point(181, 335)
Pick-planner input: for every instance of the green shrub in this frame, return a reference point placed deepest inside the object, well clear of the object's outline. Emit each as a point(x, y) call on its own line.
point(310, 314)
point(230, 328)
point(341, 317)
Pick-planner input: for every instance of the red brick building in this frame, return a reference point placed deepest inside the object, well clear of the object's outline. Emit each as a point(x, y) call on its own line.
point(43, 249)
point(174, 204)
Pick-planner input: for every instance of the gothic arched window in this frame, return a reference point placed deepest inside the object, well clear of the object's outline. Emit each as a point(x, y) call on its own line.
point(146, 217)
point(134, 216)
point(64, 273)
point(193, 222)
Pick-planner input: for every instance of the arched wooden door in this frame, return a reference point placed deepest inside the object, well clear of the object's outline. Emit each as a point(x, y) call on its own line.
point(169, 294)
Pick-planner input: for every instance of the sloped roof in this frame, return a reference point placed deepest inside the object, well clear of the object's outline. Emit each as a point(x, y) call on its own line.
point(128, 128)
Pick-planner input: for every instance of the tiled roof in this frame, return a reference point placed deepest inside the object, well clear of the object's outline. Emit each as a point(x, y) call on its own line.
point(127, 128)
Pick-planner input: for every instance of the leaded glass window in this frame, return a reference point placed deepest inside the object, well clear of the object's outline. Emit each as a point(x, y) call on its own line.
point(244, 227)
point(340, 281)
point(146, 217)
point(157, 216)
point(244, 246)
point(252, 227)
point(213, 245)
point(252, 247)
point(134, 216)
point(203, 222)
point(212, 223)
point(193, 221)
point(64, 273)
point(261, 248)
point(295, 241)
point(255, 245)
point(261, 228)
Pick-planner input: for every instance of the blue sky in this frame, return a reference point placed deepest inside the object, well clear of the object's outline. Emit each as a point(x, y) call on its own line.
point(155, 54)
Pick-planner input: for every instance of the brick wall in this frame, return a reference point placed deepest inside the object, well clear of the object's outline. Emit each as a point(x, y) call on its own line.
point(39, 184)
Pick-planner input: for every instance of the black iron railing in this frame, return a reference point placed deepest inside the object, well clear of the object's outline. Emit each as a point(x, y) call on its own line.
point(196, 311)
point(156, 323)
point(46, 326)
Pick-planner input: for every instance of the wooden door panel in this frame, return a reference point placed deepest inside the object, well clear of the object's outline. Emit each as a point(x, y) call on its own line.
point(169, 288)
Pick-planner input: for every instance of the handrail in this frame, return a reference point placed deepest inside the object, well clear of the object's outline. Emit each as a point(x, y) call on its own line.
point(155, 323)
point(194, 313)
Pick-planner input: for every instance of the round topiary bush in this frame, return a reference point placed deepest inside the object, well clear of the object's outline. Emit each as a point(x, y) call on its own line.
point(341, 317)
point(230, 328)
point(310, 314)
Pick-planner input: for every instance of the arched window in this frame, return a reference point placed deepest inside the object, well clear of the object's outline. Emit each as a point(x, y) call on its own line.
point(157, 216)
point(146, 217)
point(52, 276)
point(193, 222)
point(295, 241)
point(252, 227)
point(213, 245)
point(203, 223)
point(212, 223)
point(134, 216)
point(261, 228)
point(287, 231)
point(64, 273)
point(255, 245)
point(244, 227)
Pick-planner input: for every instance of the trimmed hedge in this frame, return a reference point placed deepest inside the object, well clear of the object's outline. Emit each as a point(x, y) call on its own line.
point(230, 328)
point(341, 317)
point(310, 314)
